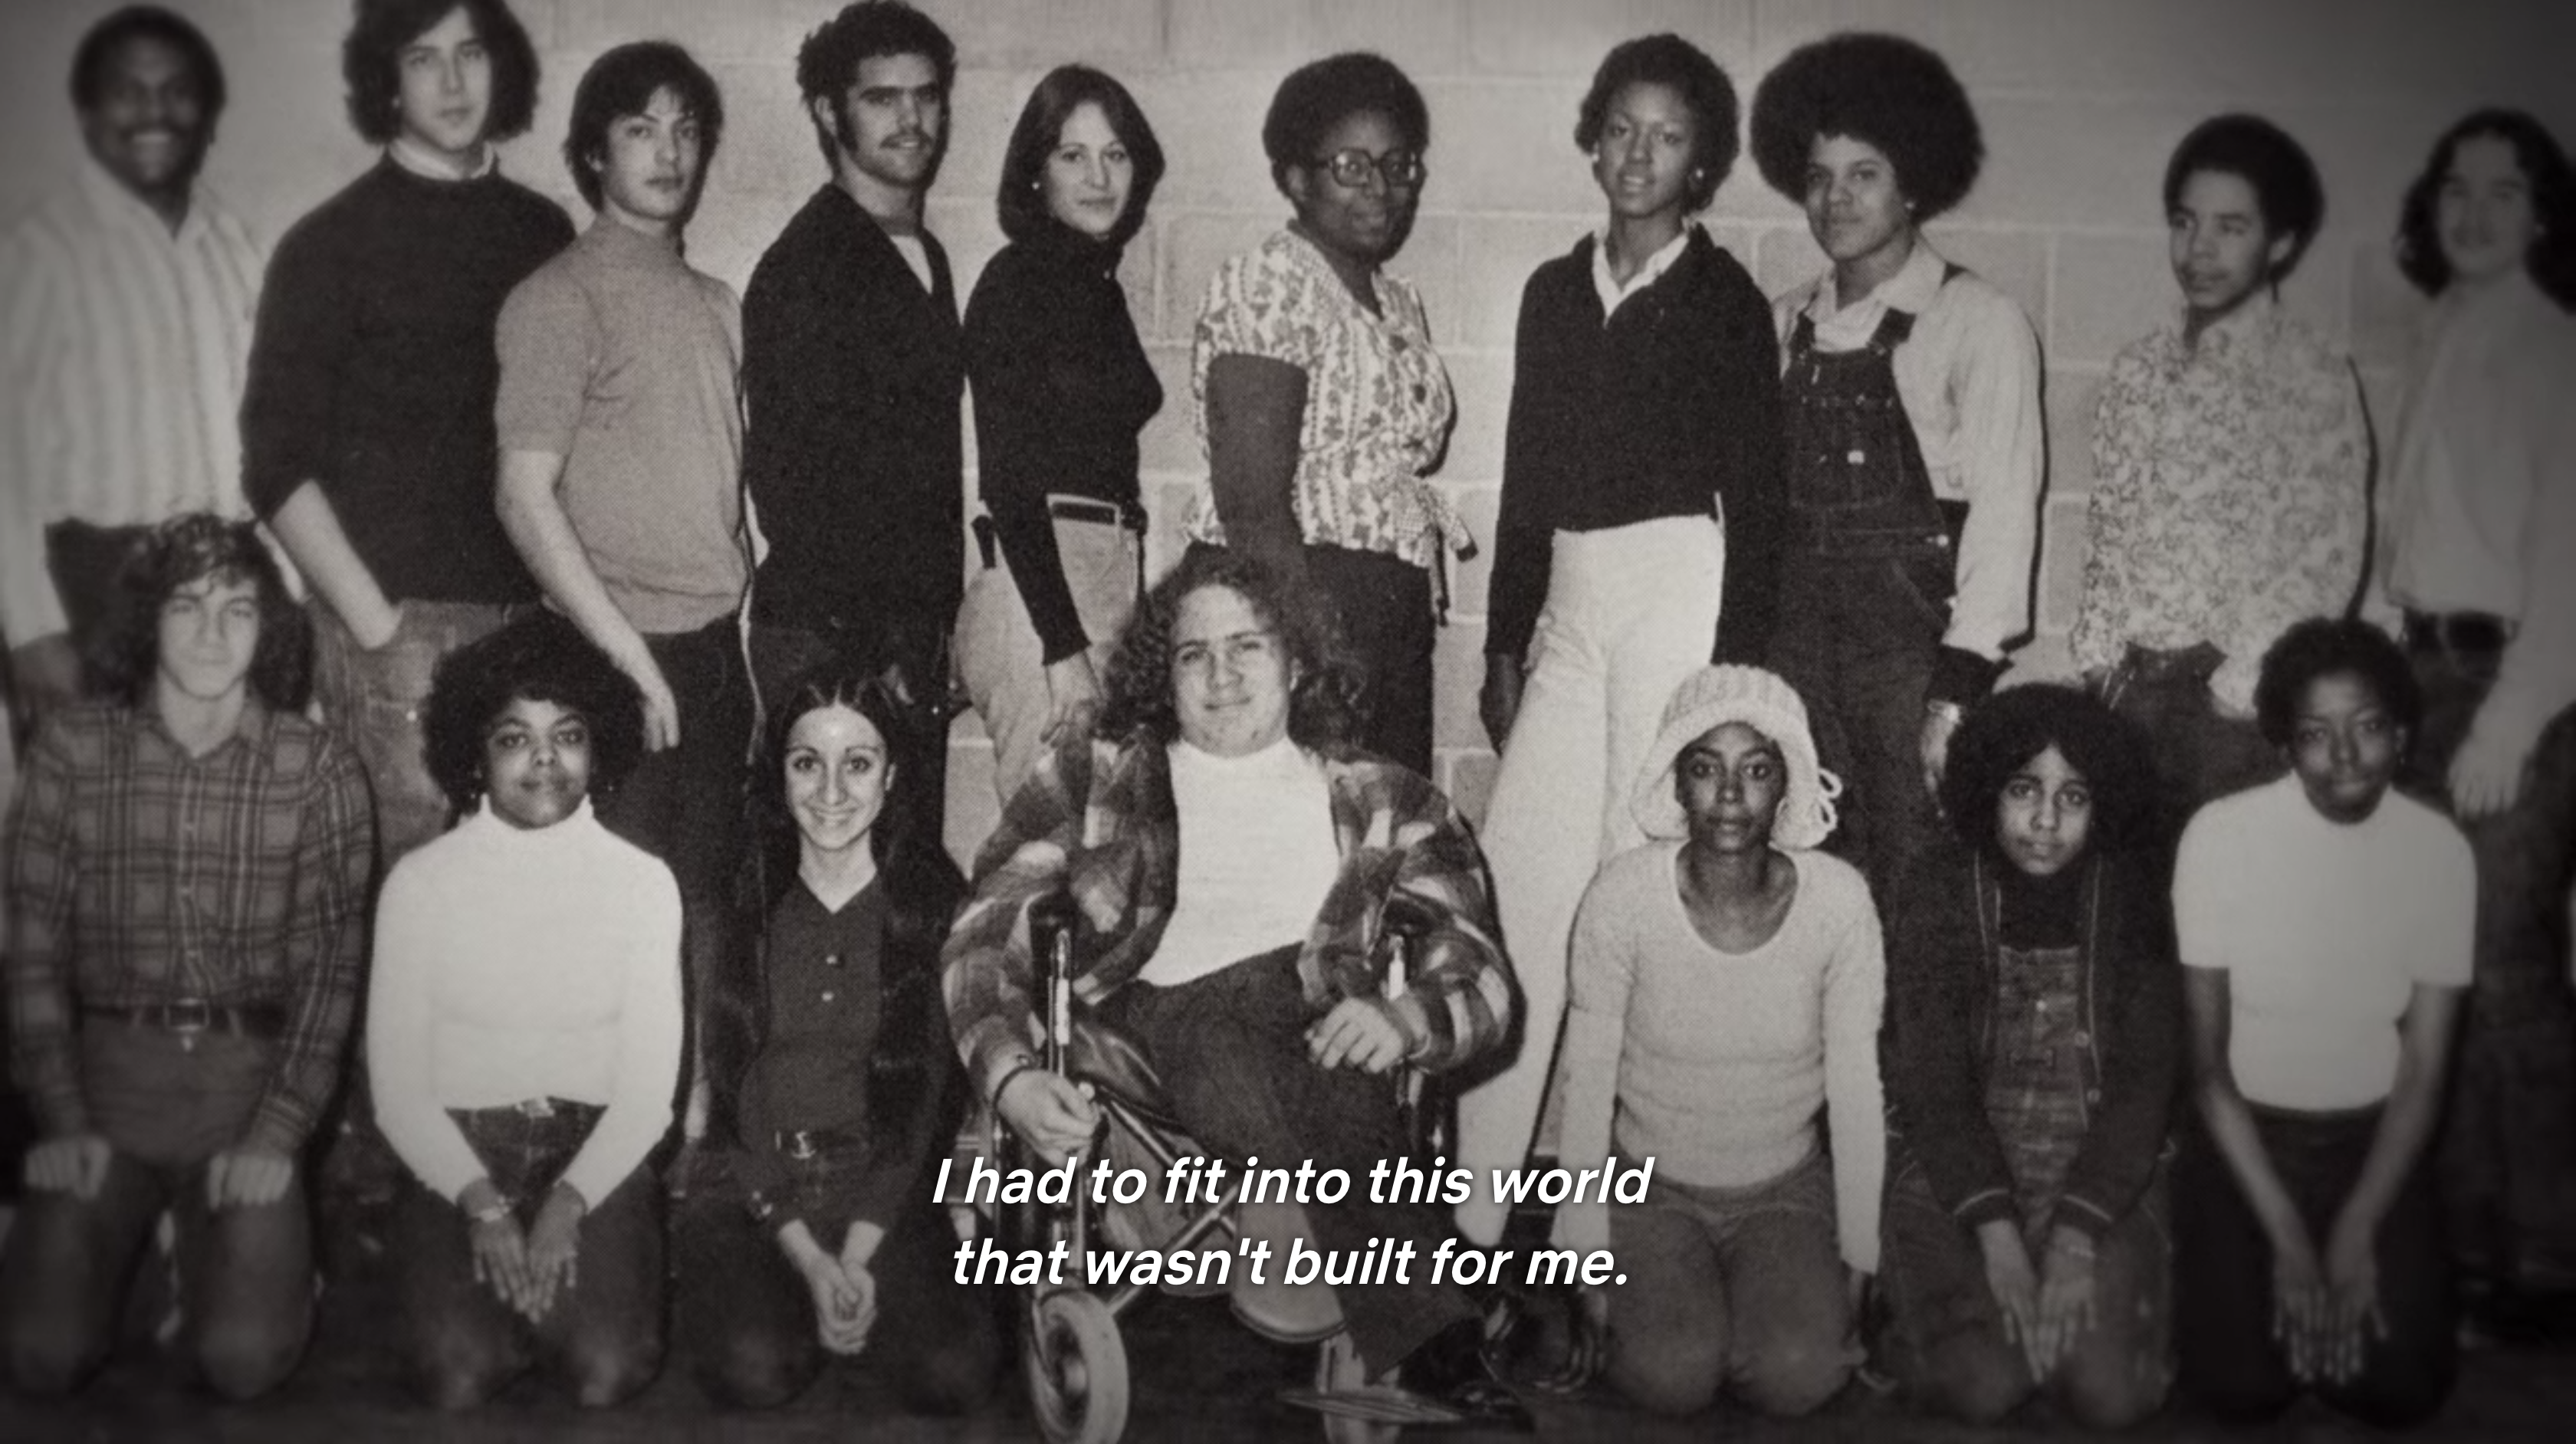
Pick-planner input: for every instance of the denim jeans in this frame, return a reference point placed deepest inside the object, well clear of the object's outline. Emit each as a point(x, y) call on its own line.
point(2223, 1277)
point(374, 700)
point(1230, 1051)
point(1734, 1290)
point(744, 1316)
point(2200, 754)
point(2509, 1147)
point(166, 1105)
point(604, 1333)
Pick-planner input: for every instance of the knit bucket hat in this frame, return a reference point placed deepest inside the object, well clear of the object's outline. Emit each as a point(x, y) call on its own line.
point(1711, 697)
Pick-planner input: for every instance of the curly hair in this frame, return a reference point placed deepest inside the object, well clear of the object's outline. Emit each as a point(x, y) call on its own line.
point(623, 82)
point(1323, 93)
point(921, 886)
point(542, 658)
point(827, 64)
point(371, 64)
point(126, 656)
point(2283, 177)
point(2017, 724)
point(2333, 647)
point(1323, 703)
point(1670, 61)
point(1021, 201)
point(141, 22)
point(2552, 260)
point(1885, 91)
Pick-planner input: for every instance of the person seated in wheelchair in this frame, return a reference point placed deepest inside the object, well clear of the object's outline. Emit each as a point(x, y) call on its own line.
point(809, 1231)
point(1231, 855)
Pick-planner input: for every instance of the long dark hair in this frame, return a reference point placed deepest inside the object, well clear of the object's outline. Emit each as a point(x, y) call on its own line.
point(1021, 202)
point(921, 886)
point(2552, 259)
point(126, 657)
point(1324, 704)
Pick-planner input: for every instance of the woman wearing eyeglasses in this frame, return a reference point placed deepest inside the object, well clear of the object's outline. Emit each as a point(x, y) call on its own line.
point(1319, 399)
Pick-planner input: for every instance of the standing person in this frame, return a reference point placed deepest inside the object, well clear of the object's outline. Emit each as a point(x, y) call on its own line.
point(127, 301)
point(524, 1027)
point(853, 372)
point(621, 447)
point(1318, 396)
point(367, 429)
point(812, 1230)
point(2477, 530)
point(1728, 982)
point(187, 888)
point(2325, 926)
point(1062, 388)
point(1914, 430)
point(1640, 510)
point(2034, 1024)
point(2231, 472)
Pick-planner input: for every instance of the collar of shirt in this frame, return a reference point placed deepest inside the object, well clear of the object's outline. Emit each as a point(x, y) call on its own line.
point(248, 729)
point(1311, 256)
point(1911, 289)
point(121, 208)
point(2231, 335)
point(428, 165)
point(1608, 288)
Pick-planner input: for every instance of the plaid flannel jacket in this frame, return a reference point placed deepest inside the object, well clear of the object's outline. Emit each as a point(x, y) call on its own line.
point(1097, 820)
point(140, 875)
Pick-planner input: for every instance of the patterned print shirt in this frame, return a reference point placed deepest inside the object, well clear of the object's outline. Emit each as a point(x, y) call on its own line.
point(1378, 403)
point(140, 875)
point(2231, 494)
point(1097, 821)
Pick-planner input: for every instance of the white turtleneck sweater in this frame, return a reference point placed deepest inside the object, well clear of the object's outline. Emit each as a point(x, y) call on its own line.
point(514, 964)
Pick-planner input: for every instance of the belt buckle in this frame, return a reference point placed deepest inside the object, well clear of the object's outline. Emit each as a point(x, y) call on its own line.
point(536, 1108)
point(188, 1017)
point(799, 1144)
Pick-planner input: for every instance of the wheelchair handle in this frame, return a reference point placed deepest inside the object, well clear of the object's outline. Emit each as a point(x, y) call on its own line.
point(1052, 920)
point(1405, 923)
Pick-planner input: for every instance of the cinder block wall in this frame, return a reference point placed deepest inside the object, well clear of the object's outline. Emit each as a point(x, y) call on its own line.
point(2081, 100)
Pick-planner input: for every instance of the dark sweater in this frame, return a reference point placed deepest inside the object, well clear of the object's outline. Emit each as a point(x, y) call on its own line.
point(373, 371)
point(1062, 387)
point(1676, 400)
point(1941, 983)
point(853, 375)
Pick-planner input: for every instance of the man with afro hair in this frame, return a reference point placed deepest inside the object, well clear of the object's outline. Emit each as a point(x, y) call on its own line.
point(1911, 396)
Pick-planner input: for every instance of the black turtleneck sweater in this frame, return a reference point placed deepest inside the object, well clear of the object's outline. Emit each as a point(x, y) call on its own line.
point(1062, 388)
point(373, 372)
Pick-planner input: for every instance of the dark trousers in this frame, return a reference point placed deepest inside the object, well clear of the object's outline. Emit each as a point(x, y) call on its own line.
point(2509, 1145)
point(910, 647)
point(166, 1105)
point(1230, 1050)
point(1382, 604)
point(1856, 638)
point(84, 561)
point(604, 1334)
point(744, 1316)
point(2200, 755)
point(2223, 1300)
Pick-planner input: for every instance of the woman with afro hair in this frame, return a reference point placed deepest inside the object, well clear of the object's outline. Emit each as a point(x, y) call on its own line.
point(1911, 391)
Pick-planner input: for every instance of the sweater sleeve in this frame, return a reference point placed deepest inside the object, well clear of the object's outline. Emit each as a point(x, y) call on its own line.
point(402, 1028)
point(1525, 527)
point(548, 341)
point(1013, 362)
point(1934, 967)
point(34, 448)
point(2139, 1052)
point(1855, 1105)
point(307, 321)
point(1753, 497)
point(648, 1045)
point(1602, 972)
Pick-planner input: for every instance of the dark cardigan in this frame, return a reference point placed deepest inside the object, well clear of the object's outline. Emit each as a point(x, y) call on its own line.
point(1941, 983)
point(1671, 408)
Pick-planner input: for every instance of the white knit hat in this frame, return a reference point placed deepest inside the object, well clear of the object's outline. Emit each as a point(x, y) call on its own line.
point(1711, 697)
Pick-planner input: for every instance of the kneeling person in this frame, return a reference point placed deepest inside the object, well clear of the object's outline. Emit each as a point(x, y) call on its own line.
point(1233, 855)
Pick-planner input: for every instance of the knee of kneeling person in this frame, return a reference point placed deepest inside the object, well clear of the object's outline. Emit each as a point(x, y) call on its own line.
point(1791, 1378)
point(604, 1373)
point(2397, 1399)
point(1980, 1388)
point(45, 1361)
point(754, 1374)
point(2110, 1394)
point(245, 1361)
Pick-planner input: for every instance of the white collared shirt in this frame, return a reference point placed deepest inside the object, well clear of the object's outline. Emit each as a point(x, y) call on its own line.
point(421, 161)
point(1608, 288)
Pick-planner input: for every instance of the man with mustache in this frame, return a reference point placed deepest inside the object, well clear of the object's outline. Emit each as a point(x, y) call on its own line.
point(853, 372)
point(127, 299)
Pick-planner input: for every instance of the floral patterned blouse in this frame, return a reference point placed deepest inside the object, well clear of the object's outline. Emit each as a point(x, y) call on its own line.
point(1378, 403)
point(2230, 494)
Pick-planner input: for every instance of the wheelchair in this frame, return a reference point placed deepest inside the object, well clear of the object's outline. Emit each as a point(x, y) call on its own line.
point(1072, 1355)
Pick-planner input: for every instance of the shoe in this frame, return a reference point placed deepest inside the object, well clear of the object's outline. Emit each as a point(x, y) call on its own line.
point(1449, 1370)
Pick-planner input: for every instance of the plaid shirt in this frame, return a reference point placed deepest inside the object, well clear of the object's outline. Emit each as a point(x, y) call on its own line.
point(139, 875)
point(1097, 821)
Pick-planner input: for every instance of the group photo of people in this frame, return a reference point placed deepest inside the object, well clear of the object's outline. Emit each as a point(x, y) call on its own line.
point(489, 921)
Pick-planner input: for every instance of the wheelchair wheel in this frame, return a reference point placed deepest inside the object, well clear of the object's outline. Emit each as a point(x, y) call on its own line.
point(1077, 1370)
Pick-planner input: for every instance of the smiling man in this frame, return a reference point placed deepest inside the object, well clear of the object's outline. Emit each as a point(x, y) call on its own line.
point(853, 371)
point(127, 301)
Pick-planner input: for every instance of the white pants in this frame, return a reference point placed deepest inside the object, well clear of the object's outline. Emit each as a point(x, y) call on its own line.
point(1000, 658)
point(1630, 612)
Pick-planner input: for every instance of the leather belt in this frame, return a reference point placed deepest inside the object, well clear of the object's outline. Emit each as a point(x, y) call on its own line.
point(191, 1016)
point(2157, 664)
point(1107, 513)
point(2478, 633)
point(806, 1144)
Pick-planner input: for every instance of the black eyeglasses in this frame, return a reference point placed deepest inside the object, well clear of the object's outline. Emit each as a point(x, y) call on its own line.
point(1353, 167)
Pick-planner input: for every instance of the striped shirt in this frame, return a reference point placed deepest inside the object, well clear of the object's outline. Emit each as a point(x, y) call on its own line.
point(1097, 820)
point(126, 348)
point(139, 875)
